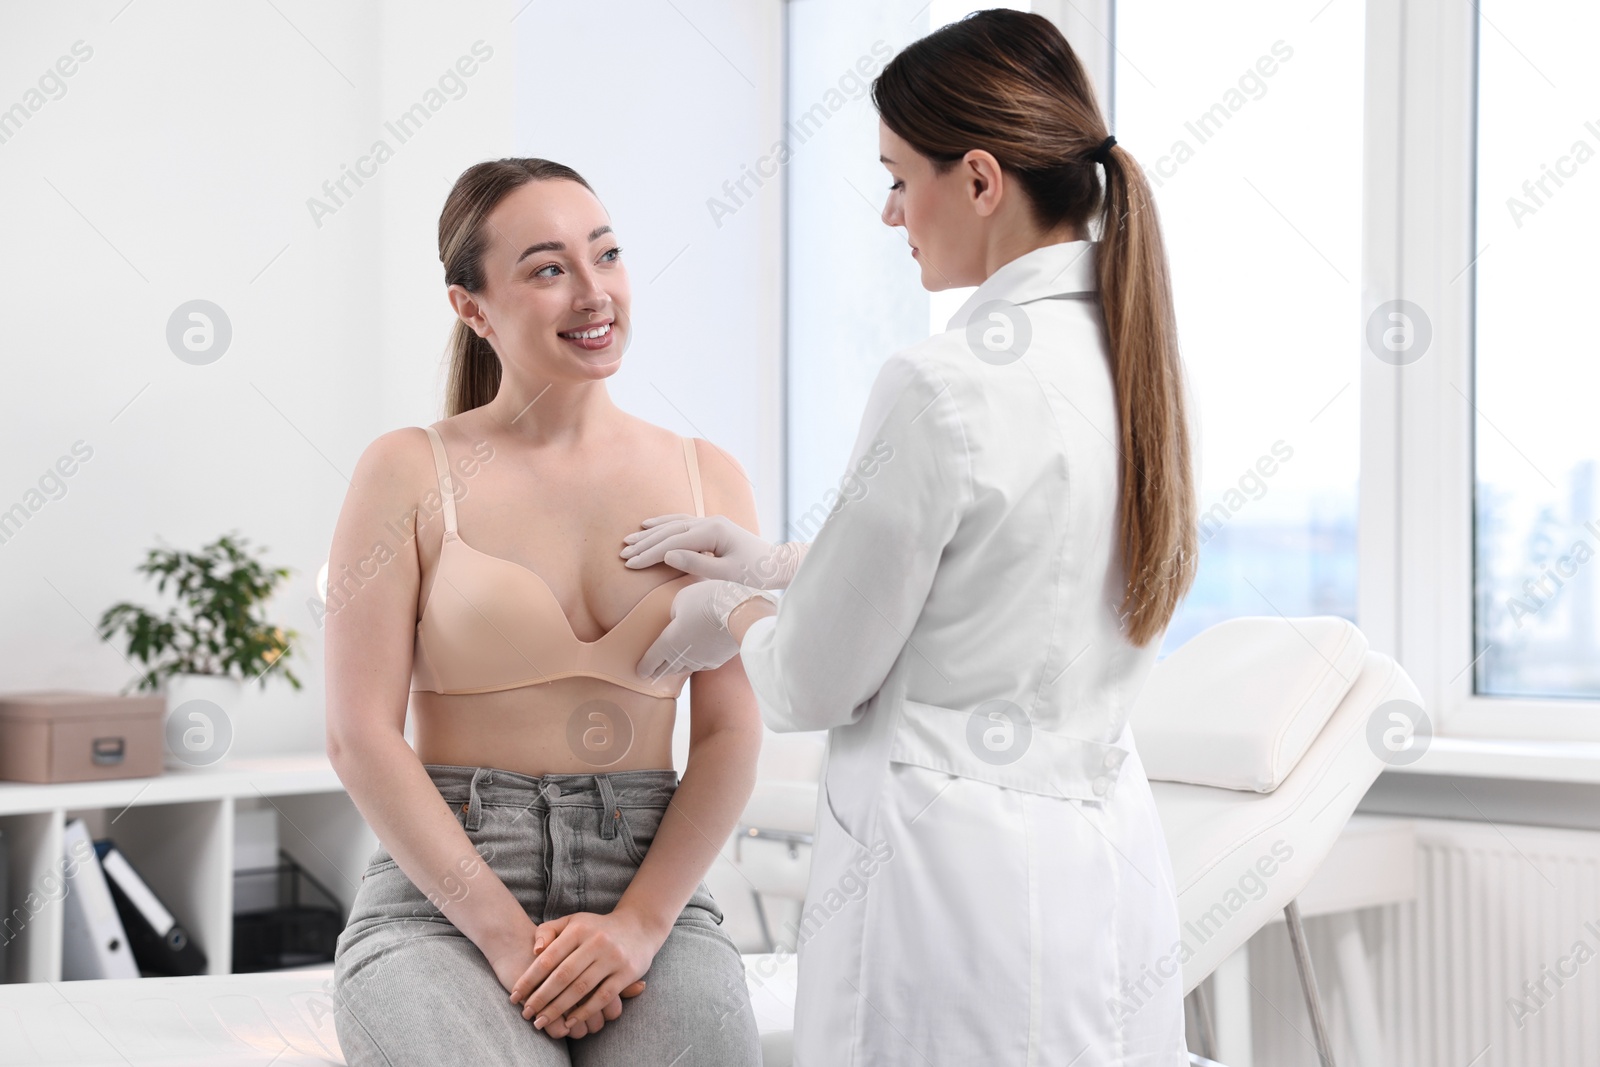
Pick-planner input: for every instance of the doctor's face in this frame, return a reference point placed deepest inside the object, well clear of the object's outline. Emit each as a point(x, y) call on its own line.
point(554, 271)
point(941, 225)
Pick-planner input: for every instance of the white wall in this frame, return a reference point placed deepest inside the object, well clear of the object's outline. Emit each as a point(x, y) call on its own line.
point(657, 106)
point(177, 164)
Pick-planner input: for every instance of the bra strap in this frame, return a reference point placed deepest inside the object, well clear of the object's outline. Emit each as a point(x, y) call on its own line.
point(446, 486)
point(694, 474)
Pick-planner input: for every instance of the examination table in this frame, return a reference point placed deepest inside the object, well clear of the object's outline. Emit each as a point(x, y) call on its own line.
point(276, 1018)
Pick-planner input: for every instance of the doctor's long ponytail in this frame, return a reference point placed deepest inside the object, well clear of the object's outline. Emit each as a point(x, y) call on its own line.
point(1007, 82)
point(1158, 508)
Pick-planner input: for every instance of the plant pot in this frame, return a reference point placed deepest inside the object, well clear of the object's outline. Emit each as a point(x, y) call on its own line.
point(202, 711)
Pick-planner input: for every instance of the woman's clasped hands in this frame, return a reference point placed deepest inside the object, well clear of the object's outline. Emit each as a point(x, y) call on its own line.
point(584, 963)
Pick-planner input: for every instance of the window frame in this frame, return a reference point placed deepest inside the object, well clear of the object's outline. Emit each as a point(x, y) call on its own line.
point(1430, 64)
point(1415, 525)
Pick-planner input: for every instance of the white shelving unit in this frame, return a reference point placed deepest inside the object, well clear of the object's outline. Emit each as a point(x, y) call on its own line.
point(178, 830)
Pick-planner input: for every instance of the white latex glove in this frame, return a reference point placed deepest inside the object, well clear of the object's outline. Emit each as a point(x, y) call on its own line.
point(697, 638)
point(737, 555)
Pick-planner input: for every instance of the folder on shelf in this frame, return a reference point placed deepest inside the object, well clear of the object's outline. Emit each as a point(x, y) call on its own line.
point(160, 944)
point(94, 943)
point(5, 903)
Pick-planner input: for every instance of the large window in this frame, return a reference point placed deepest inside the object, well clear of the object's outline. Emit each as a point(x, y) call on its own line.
point(1536, 435)
point(1377, 215)
point(1248, 119)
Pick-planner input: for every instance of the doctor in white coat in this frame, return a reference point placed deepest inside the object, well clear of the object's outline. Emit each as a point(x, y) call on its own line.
point(989, 881)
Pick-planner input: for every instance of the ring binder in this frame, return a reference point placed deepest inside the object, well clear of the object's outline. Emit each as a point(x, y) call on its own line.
point(160, 945)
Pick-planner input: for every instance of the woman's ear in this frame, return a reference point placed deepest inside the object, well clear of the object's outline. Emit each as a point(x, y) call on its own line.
point(467, 307)
point(983, 181)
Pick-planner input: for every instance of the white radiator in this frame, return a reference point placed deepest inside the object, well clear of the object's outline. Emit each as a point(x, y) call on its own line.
point(1495, 964)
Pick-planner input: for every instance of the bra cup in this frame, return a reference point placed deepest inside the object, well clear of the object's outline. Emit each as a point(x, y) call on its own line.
point(491, 623)
point(488, 623)
point(424, 676)
point(479, 633)
point(617, 654)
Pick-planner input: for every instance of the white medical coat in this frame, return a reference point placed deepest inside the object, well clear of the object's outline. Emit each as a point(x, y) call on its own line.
point(989, 881)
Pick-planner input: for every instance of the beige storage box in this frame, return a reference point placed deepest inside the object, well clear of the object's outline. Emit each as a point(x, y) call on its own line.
point(64, 735)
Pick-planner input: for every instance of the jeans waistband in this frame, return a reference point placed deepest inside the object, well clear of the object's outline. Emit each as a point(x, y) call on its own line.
point(475, 787)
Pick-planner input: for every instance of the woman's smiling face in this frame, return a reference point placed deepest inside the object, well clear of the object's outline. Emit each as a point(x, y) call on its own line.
point(554, 273)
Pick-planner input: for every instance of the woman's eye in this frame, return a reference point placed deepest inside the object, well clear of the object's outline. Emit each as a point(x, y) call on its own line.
point(541, 271)
point(614, 252)
point(896, 185)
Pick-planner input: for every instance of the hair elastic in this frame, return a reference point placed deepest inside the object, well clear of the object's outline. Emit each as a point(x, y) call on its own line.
point(1102, 154)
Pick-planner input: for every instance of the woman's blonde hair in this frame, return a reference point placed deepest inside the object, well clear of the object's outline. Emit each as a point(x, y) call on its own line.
point(474, 367)
point(1007, 82)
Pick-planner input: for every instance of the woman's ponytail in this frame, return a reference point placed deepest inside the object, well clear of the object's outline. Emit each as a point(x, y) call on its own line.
point(474, 371)
point(1158, 520)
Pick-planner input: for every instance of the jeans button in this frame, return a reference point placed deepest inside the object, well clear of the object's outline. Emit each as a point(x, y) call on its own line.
point(552, 790)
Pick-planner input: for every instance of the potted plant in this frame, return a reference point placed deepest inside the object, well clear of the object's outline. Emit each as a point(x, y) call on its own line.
point(203, 651)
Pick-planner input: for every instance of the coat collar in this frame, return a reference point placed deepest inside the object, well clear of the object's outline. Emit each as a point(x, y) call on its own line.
point(1050, 270)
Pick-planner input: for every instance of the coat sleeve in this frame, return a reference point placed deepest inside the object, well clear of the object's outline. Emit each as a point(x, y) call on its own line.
point(851, 608)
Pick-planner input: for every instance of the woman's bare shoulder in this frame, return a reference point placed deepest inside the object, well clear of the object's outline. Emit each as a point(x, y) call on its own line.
point(409, 449)
point(727, 488)
point(392, 476)
point(397, 456)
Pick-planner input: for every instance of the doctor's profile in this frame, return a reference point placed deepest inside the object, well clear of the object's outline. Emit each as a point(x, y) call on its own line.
point(973, 626)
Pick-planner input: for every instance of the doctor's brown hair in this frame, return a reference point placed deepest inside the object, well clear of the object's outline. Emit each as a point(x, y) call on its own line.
point(463, 238)
point(1007, 82)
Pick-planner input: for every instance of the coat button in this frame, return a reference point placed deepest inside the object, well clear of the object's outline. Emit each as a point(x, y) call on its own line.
point(1111, 760)
point(1100, 787)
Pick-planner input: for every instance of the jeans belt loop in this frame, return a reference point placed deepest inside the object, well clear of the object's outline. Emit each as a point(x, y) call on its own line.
point(474, 801)
point(609, 813)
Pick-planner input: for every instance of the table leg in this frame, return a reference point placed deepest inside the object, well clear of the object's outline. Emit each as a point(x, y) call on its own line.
point(1231, 995)
point(1360, 994)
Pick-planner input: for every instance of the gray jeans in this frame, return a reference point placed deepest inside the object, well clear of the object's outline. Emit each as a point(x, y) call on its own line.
point(412, 989)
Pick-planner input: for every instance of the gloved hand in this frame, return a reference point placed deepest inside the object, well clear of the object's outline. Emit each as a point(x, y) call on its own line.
point(697, 638)
point(737, 555)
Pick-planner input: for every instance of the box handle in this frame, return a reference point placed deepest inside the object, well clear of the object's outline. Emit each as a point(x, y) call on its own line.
point(108, 750)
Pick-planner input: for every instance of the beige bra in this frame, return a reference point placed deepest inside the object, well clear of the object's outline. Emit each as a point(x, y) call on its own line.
point(490, 624)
